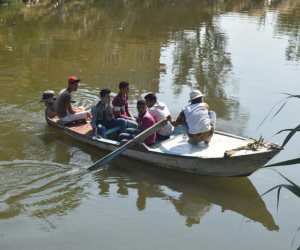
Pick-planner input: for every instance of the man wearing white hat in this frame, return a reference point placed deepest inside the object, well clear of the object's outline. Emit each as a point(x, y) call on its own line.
point(199, 121)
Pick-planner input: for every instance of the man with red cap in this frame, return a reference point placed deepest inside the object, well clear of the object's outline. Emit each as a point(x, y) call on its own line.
point(64, 109)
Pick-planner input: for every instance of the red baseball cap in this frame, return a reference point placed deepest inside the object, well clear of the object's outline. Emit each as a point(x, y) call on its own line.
point(73, 79)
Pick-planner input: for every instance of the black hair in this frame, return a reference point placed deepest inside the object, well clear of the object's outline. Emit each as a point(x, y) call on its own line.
point(141, 103)
point(150, 97)
point(196, 100)
point(104, 92)
point(123, 84)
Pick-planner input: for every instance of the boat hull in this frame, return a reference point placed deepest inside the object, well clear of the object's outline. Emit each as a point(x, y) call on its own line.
point(240, 165)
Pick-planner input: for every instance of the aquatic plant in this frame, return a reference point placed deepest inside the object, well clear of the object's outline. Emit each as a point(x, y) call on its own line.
point(291, 186)
point(292, 132)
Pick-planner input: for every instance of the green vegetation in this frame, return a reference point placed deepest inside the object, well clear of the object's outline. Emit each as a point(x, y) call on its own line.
point(10, 2)
point(291, 186)
point(292, 132)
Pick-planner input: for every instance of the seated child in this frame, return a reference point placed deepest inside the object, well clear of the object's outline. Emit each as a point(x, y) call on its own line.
point(144, 120)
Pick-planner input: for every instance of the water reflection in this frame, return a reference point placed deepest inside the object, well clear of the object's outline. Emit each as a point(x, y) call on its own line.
point(38, 189)
point(192, 196)
point(288, 24)
point(113, 40)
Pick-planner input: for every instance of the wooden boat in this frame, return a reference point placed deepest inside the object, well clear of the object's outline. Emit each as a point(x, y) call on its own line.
point(226, 154)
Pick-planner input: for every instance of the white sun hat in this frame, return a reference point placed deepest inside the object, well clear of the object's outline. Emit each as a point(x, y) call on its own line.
point(195, 94)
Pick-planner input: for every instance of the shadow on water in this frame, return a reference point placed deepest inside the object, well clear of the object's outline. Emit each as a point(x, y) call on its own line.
point(192, 195)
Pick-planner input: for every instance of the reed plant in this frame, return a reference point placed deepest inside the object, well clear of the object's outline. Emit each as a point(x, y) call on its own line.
point(290, 186)
point(292, 131)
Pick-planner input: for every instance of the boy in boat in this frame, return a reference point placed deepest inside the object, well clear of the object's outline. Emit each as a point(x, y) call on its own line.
point(49, 100)
point(102, 115)
point(199, 121)
point(144, 120)
point(64, 109)
point(120, 105)
point(159, 111)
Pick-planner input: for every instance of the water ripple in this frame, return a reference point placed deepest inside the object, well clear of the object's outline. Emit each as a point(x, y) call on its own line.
point(38, 189)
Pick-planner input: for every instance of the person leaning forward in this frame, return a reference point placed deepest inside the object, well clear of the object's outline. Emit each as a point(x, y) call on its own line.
point(159, 111)
point(199, 121)
point(64, 109)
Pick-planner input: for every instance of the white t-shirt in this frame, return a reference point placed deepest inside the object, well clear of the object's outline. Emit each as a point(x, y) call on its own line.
point(196, 116)
point(160, 111)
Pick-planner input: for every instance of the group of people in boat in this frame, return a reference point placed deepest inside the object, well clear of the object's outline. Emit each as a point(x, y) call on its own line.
point(108, 114)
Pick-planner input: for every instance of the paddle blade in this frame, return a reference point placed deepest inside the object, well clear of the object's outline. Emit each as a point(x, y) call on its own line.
point(106, 159)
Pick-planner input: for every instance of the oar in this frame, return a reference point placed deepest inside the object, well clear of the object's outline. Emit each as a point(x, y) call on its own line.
point(138, 139)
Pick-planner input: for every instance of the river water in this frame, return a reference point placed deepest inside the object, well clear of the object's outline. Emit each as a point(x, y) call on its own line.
point(242, 54)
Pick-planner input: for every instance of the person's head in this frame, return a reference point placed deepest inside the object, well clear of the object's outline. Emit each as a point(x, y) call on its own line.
point(124, 87)
point(196, 96)
point(141, 107)
point(150, 99)
point(105, 95)
point(48, 98)
point(73, 83)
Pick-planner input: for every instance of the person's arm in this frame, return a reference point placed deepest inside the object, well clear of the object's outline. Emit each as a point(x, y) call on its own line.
point(180, 120)
point(111, 110)
point(70, 108)
point(168, 114)
point(116, 108)
point(73, 110)
point(50, 111)
point(128, 114)
point(79, 109)
point(206, 106)
point(94, 117)
point(169, 118)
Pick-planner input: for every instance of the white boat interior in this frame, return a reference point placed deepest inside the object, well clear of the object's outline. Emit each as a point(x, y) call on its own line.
point(219, 144)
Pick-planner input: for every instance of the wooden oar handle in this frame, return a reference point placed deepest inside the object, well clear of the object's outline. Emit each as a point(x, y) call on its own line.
point(149, 131)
